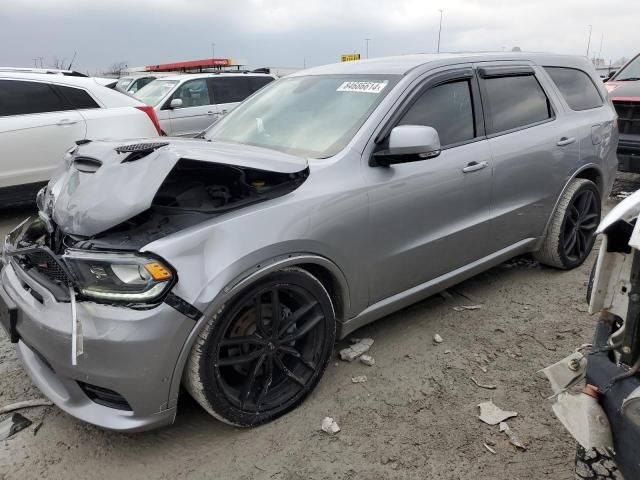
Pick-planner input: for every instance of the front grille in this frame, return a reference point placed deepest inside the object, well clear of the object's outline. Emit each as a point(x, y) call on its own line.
point(105, 397)
point(45, 264)
point(628, 117)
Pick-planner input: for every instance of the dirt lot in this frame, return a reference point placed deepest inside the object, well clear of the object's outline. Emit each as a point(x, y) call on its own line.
point(415, 417)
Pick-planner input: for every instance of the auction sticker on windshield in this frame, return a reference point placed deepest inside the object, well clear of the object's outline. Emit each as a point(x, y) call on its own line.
point(362, 87)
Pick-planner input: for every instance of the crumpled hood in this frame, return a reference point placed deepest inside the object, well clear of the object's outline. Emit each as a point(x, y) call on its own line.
point(89, 202)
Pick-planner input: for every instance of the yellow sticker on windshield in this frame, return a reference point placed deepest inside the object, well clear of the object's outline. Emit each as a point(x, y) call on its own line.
point(362, 87)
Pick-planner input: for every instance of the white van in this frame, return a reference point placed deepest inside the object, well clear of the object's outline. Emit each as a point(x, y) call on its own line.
point(187, 104)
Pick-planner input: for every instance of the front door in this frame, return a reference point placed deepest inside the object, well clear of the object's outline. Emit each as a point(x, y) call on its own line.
point(430, 217)
point(197, 111)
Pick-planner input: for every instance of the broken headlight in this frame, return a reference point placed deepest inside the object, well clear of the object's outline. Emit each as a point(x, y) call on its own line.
point(119, 277)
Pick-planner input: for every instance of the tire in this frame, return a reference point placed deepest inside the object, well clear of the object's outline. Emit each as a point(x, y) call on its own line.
point(576, 218)
point(246, 372)
point(595, 464)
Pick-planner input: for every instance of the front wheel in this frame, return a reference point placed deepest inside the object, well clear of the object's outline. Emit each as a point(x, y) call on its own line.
point(571, 234)
point(265, 351)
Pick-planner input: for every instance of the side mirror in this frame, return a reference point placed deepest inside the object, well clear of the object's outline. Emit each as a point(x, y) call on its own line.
point(611, 74)
point(176, 103)
point(409, 143)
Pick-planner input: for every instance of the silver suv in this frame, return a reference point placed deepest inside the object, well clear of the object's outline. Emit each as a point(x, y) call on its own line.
point(329, 199)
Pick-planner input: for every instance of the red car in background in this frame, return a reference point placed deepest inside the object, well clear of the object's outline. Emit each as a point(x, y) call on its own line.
point(624, 90)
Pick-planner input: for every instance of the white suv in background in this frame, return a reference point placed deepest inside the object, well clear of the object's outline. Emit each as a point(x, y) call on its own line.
point(188, 104)
point(42, 116)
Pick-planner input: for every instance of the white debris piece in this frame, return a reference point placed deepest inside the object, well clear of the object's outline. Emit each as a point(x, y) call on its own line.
point(367, 360)
point(513, 439)
point(467, 307)
point(492, 450)
point(359, 379)
point(437, 338)
point(354, 351)
point(483, 385)
point(330, 426)
point(492, 415)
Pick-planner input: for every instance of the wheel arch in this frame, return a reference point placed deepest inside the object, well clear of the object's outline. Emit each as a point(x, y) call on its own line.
point(589, 172)
point(325, 270)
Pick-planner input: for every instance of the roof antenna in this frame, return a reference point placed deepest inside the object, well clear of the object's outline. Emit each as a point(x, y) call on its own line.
point(72, 60)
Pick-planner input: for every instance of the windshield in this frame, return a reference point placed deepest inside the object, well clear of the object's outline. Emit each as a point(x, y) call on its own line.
point(123, 83)
point(154, 92)
point(631, 71)
point(314, 116)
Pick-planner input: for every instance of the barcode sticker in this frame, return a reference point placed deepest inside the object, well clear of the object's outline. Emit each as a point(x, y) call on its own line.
point(362, 87)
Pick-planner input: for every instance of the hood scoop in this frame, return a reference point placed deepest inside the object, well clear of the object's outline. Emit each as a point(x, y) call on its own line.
point(86, 164)
point(137, 151)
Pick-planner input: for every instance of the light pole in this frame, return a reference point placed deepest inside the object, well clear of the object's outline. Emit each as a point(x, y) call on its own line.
point(440, 30)
point(589, 40)
point(367, 40)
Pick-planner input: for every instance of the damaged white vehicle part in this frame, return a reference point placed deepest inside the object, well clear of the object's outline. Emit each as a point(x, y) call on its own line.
point(565, 373)
point(584, 419)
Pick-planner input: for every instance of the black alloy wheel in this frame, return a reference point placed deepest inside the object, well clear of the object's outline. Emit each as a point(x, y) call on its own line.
point(581, 221)
point(266, 351)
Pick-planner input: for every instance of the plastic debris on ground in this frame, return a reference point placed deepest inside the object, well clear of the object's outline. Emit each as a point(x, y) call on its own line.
point(437, 338)
point(467, 307)
point(12, 425)
point(483, 385)
point(513, 439)
point(492, 450)
point(25, 404)
point(359, 379)
point(493, 415)
point(330, 426)
point(367, 360)
point(361, 346)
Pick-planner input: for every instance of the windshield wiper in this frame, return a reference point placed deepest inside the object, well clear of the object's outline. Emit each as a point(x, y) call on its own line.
point(629, 79)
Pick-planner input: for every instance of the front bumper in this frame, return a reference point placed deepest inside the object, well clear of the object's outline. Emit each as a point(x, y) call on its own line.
point(626, 434)
point(130, 352)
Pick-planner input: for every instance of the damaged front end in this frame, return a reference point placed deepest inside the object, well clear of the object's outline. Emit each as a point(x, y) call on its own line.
point(606, 414)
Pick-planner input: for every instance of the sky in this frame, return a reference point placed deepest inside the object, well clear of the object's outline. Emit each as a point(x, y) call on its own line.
point(295, 33)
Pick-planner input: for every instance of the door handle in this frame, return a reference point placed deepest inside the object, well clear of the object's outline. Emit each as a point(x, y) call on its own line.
point(565, 141)
point(473, 166)
point(211, 113)
point(224, 112)
point(66, 121)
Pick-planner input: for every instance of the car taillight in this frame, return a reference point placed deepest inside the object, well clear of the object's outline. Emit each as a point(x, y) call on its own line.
point(152, 116)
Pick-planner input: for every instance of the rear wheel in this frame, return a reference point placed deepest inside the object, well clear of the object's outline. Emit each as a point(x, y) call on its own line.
point(571, 235)
point(265, 352)
point(595, 464)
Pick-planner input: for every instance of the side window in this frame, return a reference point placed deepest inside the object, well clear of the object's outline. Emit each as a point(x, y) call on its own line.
point(514, 102)
point(78, 98)
point(448, 108)
point(257, 83)
point(20, 98)
point(576, 87)
point(193, 93)
point(139, 83)
point(230, 89)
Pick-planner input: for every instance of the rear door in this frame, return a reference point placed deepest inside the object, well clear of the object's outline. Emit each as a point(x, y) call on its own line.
point(197, 111)
point(37, 126)
point(532, 143)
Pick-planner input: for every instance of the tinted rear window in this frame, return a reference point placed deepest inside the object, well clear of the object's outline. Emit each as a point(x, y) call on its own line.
point(19, 98)
point(257, 83)
point(448, 109)
point(77, 97)
point(230, 89)
point(514, 102)
point(576, 87)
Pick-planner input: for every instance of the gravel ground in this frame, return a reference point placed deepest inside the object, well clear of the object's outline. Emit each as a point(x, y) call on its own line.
point(415, 417)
